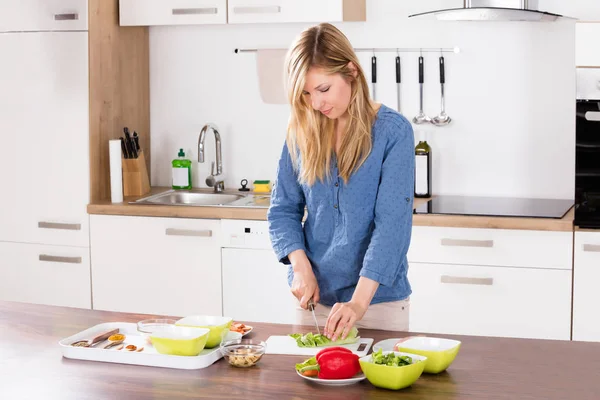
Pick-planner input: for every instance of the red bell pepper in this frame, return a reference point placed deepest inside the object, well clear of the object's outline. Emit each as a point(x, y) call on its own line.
point(332, 348)
point(338, 364)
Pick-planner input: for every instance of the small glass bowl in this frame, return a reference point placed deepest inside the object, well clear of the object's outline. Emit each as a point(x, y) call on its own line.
point(243, 353)
point(148, 326)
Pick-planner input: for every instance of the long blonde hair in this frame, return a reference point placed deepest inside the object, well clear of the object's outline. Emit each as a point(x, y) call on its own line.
point(310, 134)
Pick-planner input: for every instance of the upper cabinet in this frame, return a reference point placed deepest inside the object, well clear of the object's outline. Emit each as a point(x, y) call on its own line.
point(43, 15)
point(172, 12)
point(198, 12)
point(272, 11)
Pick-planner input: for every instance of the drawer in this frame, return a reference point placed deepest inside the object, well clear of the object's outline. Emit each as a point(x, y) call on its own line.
point(52, 275)
point(490, 301)
point(43, 15)
point(495, 247)
point(266, 11)
point(586, 324)
point(172, 12)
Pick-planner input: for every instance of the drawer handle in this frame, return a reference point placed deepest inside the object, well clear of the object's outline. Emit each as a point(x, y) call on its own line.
point(57, 225)
point(593, 248)
point(467, 243)
point(66, 17)
point(257, 10)
point(68, 260)
point(592, 116)
point(194, 11)
point(188, 232)
point(467, 281)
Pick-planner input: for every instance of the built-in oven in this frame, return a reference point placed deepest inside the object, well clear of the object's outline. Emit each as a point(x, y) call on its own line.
point(587, 149)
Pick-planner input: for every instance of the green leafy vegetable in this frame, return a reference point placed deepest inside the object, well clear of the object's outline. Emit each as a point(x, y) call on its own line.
point(309, 362)
point(390, 359)
point(316, 340)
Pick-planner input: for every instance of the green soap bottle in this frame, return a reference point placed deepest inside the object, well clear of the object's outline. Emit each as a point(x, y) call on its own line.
point(182, 172)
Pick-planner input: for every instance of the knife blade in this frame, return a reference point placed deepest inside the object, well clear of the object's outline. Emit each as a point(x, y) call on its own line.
point(311, 307)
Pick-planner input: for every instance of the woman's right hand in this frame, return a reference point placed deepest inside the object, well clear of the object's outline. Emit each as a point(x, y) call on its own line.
point(304, 285)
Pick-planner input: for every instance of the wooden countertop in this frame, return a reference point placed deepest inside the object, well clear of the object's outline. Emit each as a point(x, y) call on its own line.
point(32, 367)
point(460, 221)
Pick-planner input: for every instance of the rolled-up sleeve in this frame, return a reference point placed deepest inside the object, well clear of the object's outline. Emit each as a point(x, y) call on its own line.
point(393, 210)
point(286, 210)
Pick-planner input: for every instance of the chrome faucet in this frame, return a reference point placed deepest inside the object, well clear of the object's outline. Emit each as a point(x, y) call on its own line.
point(213, 180)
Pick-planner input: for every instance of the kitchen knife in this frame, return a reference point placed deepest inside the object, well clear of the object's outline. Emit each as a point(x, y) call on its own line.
point(125, 154)
point(136, 139)
point(311, 307)
point(374, 74)
point(129, 144)
point(398, 81)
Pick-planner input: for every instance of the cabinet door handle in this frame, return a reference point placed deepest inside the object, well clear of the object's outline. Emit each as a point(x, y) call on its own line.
point(467, 243)
point(257, 10)
point(58, 225)
point(194, 11)
point(68, 260)
point(188, 232)
point(467, 281)
point(594, 248)
point(66, 17)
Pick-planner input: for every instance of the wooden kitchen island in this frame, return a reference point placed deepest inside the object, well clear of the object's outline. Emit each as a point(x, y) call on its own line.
point(32, 367)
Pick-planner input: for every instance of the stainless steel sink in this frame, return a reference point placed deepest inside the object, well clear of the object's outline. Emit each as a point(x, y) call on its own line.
point(197, 198)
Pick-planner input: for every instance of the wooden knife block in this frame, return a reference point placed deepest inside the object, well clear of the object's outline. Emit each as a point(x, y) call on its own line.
point(135, 176)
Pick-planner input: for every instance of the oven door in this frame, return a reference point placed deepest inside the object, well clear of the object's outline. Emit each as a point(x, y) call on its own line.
point(587, 164)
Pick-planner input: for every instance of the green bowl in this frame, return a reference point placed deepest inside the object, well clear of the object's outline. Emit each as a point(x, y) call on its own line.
point(440, 353)
point(393, 378)
point(218, 326)
point(179, 340)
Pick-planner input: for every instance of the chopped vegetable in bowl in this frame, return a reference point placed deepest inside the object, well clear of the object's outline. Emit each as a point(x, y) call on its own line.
point(391, 359)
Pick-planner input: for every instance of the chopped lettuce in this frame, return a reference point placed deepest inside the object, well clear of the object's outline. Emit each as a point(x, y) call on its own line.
point(391, 359)
point(309, 362)
point(316, 340)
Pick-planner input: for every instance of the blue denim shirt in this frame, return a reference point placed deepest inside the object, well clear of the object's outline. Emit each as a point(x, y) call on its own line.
point(362, 228)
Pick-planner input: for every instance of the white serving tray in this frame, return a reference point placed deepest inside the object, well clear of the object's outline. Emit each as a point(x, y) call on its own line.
point(148, 357)
point(287, 345)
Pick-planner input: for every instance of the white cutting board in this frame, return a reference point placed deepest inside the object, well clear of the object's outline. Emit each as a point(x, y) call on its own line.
point(287, 345)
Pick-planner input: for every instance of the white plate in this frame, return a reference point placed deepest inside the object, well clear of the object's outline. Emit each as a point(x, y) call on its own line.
point(334, 382)
point(248, 326)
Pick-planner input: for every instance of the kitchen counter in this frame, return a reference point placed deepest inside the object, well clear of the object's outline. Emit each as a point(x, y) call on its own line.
point(32, 367)
point(260, 214)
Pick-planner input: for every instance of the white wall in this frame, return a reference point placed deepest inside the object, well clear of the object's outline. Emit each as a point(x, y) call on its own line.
point(510, 93)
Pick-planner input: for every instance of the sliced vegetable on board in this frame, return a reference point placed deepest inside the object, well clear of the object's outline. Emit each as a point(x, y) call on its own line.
point(316, 340)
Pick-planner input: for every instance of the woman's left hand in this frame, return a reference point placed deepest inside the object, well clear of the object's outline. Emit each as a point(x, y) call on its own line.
point(342, 318)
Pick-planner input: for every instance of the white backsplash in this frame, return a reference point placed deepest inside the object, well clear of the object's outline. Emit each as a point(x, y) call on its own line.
point(510, 93)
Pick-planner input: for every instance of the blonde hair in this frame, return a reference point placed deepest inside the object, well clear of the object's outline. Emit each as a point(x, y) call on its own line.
point(310, 134)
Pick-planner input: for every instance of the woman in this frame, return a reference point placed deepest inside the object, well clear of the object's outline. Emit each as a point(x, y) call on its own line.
point(350, 162)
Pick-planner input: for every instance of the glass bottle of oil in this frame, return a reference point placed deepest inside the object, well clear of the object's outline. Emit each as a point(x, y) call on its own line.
point(423, 169)
point(182, 172)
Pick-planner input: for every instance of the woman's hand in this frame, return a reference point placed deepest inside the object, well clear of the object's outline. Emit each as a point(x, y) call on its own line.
point(342, 318)
point(304, 285)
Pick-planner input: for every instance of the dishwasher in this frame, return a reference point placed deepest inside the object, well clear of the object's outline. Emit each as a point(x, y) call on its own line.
point(255, 287)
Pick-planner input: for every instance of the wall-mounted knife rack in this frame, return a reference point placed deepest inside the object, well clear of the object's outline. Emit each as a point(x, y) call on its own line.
point(383, 49)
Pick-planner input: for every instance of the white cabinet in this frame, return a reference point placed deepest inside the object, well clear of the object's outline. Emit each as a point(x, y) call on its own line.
point(273, 11)
point(586, 297)
point(255, 284)
point(587, 51)
point(490, 301)
point(160, 266)
point(44, 123)
point(43, 15)
point(54, 275)
point(172, 12)
point(491, 282)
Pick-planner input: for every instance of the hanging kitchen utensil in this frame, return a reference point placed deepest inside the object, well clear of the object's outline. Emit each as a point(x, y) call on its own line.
point(398, 81)
point(421, 118)
point(374, 75)
point(443, 118)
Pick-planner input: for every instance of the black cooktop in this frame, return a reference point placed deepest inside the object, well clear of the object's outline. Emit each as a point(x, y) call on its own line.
point(496, 206)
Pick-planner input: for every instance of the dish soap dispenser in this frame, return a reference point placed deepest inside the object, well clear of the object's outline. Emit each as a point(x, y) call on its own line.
point(182, 172)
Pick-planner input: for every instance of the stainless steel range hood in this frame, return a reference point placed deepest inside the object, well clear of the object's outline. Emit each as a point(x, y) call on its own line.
point(492, 10)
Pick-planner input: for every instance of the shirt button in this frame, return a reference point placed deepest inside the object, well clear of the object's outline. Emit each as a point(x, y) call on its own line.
point(337, 184)
point(335, 206)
